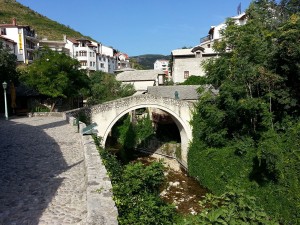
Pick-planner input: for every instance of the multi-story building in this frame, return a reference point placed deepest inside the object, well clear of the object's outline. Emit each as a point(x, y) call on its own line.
point(162, 65)
point(58, 46)
point(188, 62)
point(106, 61)
point(214, 32)
point(25, 38)
point(85, 51)
point(92, 56)
point(122, 61)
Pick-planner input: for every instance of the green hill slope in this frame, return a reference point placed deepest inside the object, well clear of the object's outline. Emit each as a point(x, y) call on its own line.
point(147, 61)
point(43, 26)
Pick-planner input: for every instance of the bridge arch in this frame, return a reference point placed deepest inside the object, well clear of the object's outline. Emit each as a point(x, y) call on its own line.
point(106, 115)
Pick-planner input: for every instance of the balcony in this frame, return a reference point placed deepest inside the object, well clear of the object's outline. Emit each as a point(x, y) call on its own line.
point(205, 39)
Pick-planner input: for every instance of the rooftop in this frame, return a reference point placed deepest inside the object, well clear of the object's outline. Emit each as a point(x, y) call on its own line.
point(138, 75)
point(185, 92)
point(187, 51)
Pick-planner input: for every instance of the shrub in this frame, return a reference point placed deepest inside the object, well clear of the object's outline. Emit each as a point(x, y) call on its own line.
point(232, 207)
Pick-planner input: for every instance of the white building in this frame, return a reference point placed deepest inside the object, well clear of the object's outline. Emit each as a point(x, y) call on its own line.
point(141, 79)
point(214, 32)
point(122, 61)
point(58, 45)
point(162, 65)
point(106, 61)
point(188, 62)
point(9, 44)
point(85, 51)
point(92, 56)
point(25, 38)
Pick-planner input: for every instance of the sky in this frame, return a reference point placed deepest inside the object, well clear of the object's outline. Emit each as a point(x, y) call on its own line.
point(138, 27)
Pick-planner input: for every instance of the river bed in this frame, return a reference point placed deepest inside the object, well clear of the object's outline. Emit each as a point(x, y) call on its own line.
point(179, 189)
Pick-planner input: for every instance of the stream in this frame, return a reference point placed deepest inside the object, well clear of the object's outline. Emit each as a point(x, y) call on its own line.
point(179, 189)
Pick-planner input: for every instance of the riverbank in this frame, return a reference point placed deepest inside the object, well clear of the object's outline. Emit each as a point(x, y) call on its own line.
point(179, 189)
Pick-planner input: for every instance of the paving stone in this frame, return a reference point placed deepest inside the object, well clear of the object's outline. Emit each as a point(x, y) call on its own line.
point(42, 172)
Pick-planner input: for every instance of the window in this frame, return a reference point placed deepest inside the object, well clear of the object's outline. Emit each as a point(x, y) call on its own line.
point(102, 65)
point(76, 53)
point(186, 74)
point(3, 31)
point(82, 53)
point(83, 63)
point(94, 64)
point(91, 64)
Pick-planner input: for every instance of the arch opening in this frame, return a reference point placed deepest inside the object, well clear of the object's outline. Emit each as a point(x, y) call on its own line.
point(182, 134)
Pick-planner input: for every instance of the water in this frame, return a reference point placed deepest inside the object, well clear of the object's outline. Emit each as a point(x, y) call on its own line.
point(179, 189)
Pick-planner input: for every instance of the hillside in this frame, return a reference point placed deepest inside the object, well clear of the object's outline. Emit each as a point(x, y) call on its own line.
point(43, 26)
point(148, 60)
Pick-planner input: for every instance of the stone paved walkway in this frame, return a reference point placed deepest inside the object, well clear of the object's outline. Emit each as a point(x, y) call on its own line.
point(42, 174)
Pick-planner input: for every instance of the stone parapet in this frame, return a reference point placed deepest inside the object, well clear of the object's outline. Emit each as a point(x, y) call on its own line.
point(101, 209)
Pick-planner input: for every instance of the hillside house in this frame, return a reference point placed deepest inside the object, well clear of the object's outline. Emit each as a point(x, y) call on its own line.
point(141, 79)
point(24, 37)
point(58, 45)
point(162, 65)
point(187, 62)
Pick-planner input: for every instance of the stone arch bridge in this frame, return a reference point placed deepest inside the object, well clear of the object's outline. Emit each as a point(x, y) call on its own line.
point(107, 114)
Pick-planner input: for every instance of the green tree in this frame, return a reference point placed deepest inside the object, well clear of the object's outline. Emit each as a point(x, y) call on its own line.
point(105, 87)
point(246, 135)
point(8, 63)
point(55, 75)
point(135, 65)
point(194, 80)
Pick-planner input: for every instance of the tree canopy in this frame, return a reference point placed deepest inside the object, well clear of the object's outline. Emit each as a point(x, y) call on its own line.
point(247, 136)
point(55, 75)
point(105, 87)
point(8, 63)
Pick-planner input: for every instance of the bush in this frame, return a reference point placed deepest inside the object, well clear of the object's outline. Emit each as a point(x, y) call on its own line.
point(232, 207)
point(136, 191)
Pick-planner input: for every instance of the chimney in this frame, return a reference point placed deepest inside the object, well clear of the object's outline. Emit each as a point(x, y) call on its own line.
point(14, 22)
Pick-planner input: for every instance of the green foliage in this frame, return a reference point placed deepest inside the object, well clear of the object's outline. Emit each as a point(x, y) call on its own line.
point(127, 135)
point(135, 65)
point(248, 135)
point(136, 191)
point(43, 26)
point(8, 63)
point(131, 134)
point(143, 129)
point(55, 75)
point(194, 80)
point(105, 87)
point(84, 118)
point(232, 207)
point(147, 61)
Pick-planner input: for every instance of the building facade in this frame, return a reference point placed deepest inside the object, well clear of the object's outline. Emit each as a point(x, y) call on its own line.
point(9, 44)
point(162, 65)
point(25, 39)
point(188, 62)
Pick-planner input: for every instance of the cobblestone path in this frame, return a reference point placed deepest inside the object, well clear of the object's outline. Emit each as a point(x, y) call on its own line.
point(42, 174)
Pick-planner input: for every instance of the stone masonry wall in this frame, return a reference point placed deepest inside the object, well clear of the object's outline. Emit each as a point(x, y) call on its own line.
point(101, 209)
